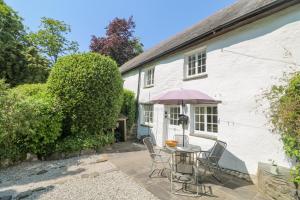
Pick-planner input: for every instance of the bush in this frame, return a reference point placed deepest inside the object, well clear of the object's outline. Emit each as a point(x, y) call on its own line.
point(89, 88)
point(285, 117)
point(31, 119)
point(129, 107)
point(9, 149)
point(77, 143)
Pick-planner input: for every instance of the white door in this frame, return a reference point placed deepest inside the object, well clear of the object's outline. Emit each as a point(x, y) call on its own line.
point(173, 126)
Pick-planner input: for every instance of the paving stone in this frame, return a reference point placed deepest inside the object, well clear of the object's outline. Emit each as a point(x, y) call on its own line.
point(24, 195)
point(94, 174)
point(9, 197)
point(104, 159)
point(84, 176)
point(41, 172)
point(39, 189)
point(60, 182)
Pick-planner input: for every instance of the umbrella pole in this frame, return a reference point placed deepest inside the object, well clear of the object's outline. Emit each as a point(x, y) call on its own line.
point(182, 125)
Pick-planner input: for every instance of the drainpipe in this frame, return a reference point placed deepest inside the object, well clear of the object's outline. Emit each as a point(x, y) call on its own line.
point(138, 99)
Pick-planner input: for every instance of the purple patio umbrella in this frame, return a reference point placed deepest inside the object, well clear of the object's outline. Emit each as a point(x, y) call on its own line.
point(183, 96)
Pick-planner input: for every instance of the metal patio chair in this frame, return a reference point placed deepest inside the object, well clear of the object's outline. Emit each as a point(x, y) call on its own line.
point(184, 172)
point(160, 162)
point(209, 160)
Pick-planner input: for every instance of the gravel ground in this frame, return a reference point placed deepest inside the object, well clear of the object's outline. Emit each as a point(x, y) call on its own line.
point(85, 177)
point(113, 185)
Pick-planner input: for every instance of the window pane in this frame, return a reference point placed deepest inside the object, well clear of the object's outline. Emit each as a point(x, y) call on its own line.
point(197, 126)
point(209, 127)
point(197, 118)
point(202, 110)
point(202, 118)
point(202, 127)
point(209, 119)
point(204, 68)
point(215, 128)
point(209, 110)
point(215, 110)
point(215, 119)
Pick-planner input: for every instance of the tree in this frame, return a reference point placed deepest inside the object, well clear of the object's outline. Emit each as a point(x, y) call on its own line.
point(19, 62)
point(51, 39)
point(119, 43)
point(12, 44)
point(37, 66)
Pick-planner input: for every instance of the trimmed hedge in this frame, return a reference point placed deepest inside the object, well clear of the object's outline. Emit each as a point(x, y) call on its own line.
point(129, 107)
point(88, 86)
point(31, 120)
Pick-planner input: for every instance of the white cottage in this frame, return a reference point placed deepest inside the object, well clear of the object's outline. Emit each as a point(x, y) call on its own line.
point(232, 56)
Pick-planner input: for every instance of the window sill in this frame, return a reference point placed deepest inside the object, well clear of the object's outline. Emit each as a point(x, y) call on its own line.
point(148, 86)
point(204, 135)
point(204, 75)
point(147, 125)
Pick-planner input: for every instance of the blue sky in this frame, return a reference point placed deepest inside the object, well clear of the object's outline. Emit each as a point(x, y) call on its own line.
point(156, 20)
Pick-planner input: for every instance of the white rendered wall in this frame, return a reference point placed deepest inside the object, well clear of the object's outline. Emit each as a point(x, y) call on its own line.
point(240, 65)
point(131, 80)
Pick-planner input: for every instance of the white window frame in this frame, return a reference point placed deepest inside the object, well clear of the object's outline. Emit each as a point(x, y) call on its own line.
point(147, 114)
point(203, 64)
point(149, 77)
point(206, 123)
point(174, 116)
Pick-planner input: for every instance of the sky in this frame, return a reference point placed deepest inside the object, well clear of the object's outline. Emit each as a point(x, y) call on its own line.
point(156, 20)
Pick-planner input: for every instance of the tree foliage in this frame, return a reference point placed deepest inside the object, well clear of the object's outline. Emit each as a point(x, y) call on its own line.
point(119, 43)
point(89, 89)
point(129, 107)
point(51, 39)
point(19, 62)
point(285, 118)
point(12, 44)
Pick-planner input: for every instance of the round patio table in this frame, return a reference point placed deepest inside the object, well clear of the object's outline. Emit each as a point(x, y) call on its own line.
point(181, 156)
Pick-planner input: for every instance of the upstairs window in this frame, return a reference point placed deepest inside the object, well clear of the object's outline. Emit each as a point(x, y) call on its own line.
point(206, 119)
point(196, 64)
point(149, 77)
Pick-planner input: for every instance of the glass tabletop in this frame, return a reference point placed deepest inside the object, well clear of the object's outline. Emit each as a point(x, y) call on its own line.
point(189, 148)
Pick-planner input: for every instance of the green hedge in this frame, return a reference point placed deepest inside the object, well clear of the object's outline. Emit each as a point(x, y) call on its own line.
point(77, 143)
point(31, 120)
point(89, 88)
point(129, 107)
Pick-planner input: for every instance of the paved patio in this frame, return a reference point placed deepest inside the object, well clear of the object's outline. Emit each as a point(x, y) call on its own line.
point(137, 165)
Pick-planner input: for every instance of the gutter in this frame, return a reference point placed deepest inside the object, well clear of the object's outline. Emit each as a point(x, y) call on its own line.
point(235, 23)
point(138, 99)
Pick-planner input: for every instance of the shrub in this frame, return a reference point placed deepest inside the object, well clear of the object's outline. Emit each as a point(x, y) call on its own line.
point(9, 149)
point(77, 143)
point(129, 107)
point(89, 88)
point(285, 117)
point(31, 119)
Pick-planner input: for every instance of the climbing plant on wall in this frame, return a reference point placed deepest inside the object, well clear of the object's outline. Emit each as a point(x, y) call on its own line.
point(284, 115)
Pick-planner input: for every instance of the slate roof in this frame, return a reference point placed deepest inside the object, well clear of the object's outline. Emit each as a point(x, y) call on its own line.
point(226, 18)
